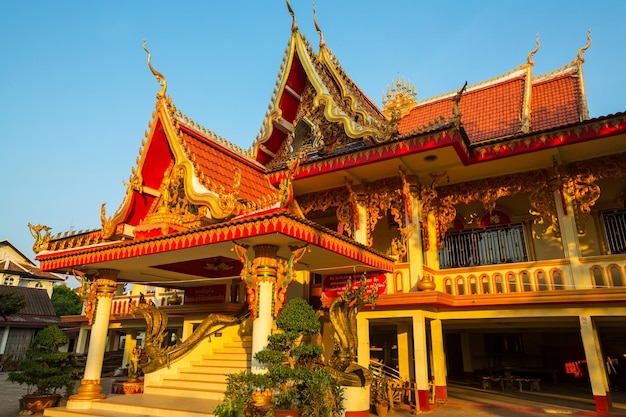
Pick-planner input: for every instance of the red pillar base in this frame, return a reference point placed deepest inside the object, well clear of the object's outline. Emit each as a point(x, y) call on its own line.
point(423, 399)
point(441, 393)
point(603, 402)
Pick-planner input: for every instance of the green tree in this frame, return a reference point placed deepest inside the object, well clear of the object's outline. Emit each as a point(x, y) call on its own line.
point(10, 303)
point(65, 301)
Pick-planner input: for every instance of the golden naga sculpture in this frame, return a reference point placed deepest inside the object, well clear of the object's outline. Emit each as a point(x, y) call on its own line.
point(342, 313)
point(156, 323)
point(87, 293)
point(41, 242)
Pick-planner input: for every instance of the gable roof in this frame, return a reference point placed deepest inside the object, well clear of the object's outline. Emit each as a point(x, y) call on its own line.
point(498, 109)
point(313, 87)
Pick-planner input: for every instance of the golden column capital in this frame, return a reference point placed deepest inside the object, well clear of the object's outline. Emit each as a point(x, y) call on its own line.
point(107, 282)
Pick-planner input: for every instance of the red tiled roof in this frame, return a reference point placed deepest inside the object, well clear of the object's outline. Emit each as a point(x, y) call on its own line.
point(488, 112)
point(496, 109)
point(555, 101)
point(219, 166)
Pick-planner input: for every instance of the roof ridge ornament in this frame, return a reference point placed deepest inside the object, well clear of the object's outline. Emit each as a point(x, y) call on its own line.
point(159, 77)
point(529, 59)
point(584, 48)
point(294, 25)
point(319, 30)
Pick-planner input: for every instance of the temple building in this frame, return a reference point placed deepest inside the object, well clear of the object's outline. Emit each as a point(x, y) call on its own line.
point(491, 220)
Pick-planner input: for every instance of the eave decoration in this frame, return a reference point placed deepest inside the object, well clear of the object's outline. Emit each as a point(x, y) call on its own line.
point(578, 179)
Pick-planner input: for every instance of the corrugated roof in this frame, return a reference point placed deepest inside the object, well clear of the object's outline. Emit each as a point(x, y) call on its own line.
point(38, 307)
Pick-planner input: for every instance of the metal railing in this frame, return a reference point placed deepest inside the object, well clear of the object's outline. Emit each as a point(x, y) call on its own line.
point(488, 246)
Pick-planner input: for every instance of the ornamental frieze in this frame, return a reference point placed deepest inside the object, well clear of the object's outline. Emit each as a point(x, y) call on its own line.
point(442, 200)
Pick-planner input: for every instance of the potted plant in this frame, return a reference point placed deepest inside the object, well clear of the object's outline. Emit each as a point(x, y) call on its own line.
point(299, 382)
point(45, 370)
point(380, 394)
point(296, 378)
point(244, 391)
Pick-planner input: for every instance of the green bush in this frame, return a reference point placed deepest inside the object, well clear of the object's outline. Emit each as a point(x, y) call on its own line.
point(44, 369)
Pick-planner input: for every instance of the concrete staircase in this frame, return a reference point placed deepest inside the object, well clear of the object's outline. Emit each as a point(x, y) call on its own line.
point(191, 391)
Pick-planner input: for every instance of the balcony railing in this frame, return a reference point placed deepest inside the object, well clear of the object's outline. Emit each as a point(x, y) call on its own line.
point(488, 246)
point(607, 271)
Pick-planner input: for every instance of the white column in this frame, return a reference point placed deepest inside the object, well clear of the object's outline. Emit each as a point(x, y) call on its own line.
point(360, 232)
point(265, 270)
point(81, 343)
point(90, 388)
point(420, 349)
point(5, 337)
point(578, 278)
point(595, 364)
point(439, 360)
point(415, 247)
point(404, 351)
point(263, 322)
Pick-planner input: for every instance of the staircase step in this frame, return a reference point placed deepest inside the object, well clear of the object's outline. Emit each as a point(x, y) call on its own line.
point(226, 363)
point(140, 406)
point(196, 384)
point(199, 375)
point(185, 392)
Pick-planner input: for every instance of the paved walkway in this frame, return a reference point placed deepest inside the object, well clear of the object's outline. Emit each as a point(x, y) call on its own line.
point(464, 400)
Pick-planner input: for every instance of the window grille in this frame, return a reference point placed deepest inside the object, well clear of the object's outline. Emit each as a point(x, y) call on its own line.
point(488, 246)
point(614, 222)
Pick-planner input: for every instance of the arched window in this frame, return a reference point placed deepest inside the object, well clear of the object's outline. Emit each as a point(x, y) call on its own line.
point(542, 282)
point(484, 279)
point(447, 284)
point(616, 276)
point(472, 285)
point(598, 277)
point(527, 285)
point(460, 286)
point(512, 282)
point(497, 283)
point(557, 279)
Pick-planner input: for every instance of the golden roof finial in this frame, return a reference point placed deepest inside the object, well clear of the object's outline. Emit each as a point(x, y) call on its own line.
point(533, 52)
point(294, 25)
point(584, 48)
point(317, 27)
point(159, 77)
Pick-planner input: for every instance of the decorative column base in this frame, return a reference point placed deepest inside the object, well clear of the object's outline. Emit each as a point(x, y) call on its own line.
point(356, 401)
point(423, 398)
point(90, 389)
point(603, 402)
point(441, 393)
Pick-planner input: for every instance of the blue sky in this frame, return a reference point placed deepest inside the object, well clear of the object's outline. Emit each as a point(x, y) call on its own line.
point(77, 93)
